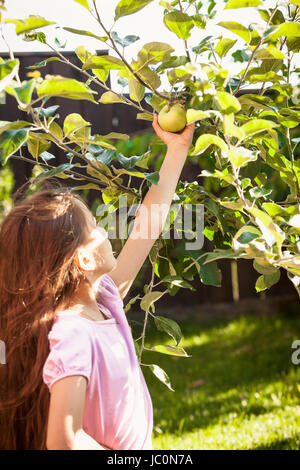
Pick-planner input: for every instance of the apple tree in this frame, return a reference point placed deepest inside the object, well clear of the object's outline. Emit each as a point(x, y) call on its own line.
point(246, 141)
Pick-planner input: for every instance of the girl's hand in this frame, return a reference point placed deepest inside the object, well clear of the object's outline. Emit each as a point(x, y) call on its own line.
point(183, 140)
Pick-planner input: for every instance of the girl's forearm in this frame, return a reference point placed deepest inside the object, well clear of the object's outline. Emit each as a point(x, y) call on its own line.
point(161, 195)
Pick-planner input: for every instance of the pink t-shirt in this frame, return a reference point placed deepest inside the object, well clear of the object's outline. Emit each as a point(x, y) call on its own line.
point(118, 409)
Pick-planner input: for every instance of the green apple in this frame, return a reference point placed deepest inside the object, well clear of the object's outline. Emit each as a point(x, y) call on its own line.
point(172, 118)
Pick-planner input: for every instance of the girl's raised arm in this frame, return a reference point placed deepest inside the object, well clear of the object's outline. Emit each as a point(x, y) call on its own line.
point(152, 213)
point(64, 430)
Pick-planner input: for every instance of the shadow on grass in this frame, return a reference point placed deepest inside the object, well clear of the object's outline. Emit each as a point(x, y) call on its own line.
point(281, 444)
point(243, 364)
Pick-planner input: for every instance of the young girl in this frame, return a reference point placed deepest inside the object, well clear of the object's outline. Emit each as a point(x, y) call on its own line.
point(72, 378)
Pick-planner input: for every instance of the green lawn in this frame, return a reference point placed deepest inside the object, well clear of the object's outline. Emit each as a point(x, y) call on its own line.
point(248, 395)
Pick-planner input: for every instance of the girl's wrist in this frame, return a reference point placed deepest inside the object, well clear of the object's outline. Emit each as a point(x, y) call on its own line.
point(178, 148)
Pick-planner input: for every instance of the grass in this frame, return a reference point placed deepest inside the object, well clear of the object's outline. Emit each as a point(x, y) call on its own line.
point(247, 394)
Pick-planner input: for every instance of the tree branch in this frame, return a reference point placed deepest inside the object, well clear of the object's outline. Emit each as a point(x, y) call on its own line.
point(133, 72)
point(93, 79)
point(253, 53)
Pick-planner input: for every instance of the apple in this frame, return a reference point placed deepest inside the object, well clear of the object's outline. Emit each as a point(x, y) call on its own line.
point(172, 118)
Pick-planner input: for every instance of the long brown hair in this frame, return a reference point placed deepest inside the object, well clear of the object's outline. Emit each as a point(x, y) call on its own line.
point(38, 240)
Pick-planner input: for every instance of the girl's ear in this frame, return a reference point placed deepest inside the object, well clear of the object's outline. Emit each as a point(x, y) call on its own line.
point(84, 260)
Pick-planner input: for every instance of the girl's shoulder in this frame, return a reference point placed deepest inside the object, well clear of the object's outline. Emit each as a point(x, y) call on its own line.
point(68, 329)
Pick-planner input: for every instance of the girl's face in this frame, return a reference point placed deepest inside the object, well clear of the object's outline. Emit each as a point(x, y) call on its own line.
point(99, 245)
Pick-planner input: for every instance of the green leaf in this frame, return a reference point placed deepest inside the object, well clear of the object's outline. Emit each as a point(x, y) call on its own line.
point(224, 46)
point(173, 62)
point(179, 23)
point(293, 44)
point(145, 116)
point(178, 281)
point(136, 90)
point(43, 63)
point(269, 52)
point(130, 39)
point(156, 102)
point(178, 75)
point(127, 308)
point(193, 115)
point(170, 327)
point(32, 22)
point(200, 20)
point(153, 52)
point(153, 177)
point(240, 56)
point(128, 7)
point(237, 29)
point(65, 88)
point(84, 3)
point(46, 156)
point(242, 3)
point(291, 29)
point(110, 97)
point(55, 171)
point(266, 281)
point(47, 112)
point(255, 101)
point(23, 93)
point(82, 32)
point(205, 141)
point(234, 205)
point(115, 135)
point(257, 125)
point(104, 62)
point(246, 234)
point(150, 77)
point(109, 194)
point(8, 69)
point(211, 275)
point(170, 350)
point(10, 141)
point(161, 375)
point(56, 130)
point(82, 53)
point(264, 267)
point(220, 254)
point(272, 209)
point(36, 146)
point(149, 298)
point(5, 125)
point(231, 129)
point(271, 232)
point(227, 103)
point(36, 36)
point(256, 193)
point(73, 122)
point(265, 77)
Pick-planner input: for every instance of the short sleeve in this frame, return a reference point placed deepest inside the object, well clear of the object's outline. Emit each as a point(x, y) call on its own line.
point(70, 352)
point(108, 293)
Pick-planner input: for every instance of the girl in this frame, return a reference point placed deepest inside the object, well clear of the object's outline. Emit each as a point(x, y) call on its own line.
point(72, 378)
